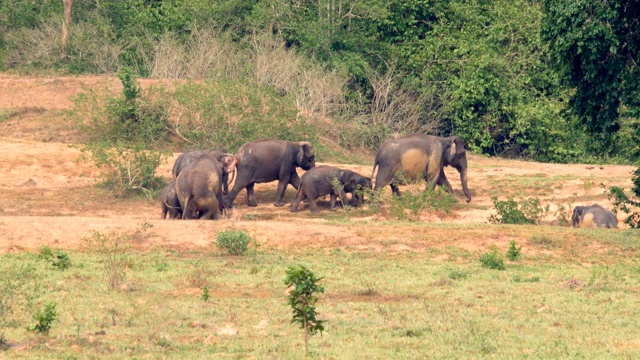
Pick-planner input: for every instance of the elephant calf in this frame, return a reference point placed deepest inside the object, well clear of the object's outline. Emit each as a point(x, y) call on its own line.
point(329, 180)
point(593, 216)
point(170, 202)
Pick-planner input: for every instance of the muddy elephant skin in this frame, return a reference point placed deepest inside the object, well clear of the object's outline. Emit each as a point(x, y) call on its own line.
point(418, 156)
point(593, 216)
point(199, 188)
point(269, 160)
point(189, 157)
point(332, 181)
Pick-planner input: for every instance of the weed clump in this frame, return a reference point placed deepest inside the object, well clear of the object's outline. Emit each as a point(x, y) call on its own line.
point(235, 242)
point(59, 260)
point(510, 211)
point(44, 319)
point(515, 252)
point(492, 259)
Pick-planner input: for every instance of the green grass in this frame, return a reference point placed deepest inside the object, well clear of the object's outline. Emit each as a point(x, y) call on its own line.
point(535, 308)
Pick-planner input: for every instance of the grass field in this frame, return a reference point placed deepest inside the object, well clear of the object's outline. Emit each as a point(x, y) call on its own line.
point(573, 294)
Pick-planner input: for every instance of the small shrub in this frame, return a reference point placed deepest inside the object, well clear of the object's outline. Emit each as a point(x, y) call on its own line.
point(114, 255)
point(627, 205)
point(303, 284)
point(128, 167)
point(44, 319)
point(514, 253)
point(205, 294)
point(414, 202)
point(510, 211)
point(235, 242)
point(492, 259)
point(136, 116)
point(59, 260)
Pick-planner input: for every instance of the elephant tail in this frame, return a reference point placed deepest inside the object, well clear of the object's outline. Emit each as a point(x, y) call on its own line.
point(375, 165)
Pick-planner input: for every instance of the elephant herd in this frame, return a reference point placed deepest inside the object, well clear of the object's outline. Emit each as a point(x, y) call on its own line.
point(200, 178)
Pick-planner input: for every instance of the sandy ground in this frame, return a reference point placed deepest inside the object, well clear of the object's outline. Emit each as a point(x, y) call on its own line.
point(48, 195)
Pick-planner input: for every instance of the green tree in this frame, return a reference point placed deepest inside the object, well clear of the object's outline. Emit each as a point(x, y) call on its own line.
point(596, 46)
point(303, 284)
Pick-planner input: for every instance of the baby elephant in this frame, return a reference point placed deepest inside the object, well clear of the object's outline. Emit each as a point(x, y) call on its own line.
point(170, 202)
point(593, 216)
point(329, 180)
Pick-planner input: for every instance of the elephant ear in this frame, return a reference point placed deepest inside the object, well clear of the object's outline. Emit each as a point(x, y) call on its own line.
point(229, 163)
point(305, 150)
point(457, 146)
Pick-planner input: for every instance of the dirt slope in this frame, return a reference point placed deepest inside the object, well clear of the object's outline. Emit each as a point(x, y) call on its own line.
point(48, 196)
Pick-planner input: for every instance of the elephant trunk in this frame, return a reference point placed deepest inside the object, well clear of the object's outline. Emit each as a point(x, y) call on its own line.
point(462, 169)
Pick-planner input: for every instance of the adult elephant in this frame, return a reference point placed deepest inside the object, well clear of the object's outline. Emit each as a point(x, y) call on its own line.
point(268, 160)
point(189, 157)
point(593, 216)
point(420, 156)
point(199, 187)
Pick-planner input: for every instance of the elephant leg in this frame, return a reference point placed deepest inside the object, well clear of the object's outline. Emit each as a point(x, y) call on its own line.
point(251, 198)
point(332, 201)
point(294, 179)
point(282, 187)
point(299, 197)
point(395, 189)
point(313, 204)
point(443, 181)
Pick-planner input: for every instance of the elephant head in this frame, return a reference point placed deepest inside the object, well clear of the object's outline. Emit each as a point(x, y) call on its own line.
point(306, 158)
point(356, 185)
point(455, 155)
point(577, 214)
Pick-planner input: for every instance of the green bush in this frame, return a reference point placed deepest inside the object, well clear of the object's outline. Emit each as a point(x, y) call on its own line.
point(136, 115)
point(127, 167)
point(44, 319)
point(622, 202)
point(228, 114)
point(510, 211)
point(514, 253)
point(59, 260)
point(492, 259)
point(413, 202)
point(235, 242)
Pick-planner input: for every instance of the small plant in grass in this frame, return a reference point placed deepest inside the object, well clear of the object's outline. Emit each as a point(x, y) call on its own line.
point(510, 211)
point(59, 260)
point(492, 259)
point(303, 285)
point(205, 294)
point(515, 252)
point(235, 242)
point(457, 274)
point(114, 253)
point(413, 202)
point(44, 319)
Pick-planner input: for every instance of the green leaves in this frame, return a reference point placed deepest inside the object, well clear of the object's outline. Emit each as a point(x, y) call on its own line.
point(303, 285)
point(595, 48)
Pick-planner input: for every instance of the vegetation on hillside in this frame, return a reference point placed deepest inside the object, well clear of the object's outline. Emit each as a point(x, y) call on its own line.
point(543, 81)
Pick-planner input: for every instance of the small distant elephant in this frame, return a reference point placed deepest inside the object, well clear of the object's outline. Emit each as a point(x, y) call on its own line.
point(189, 157)
point(268, 160)
point(420, 156)
point(170, 202)
point(199, 187)
point(329, 180)
point(593, 216)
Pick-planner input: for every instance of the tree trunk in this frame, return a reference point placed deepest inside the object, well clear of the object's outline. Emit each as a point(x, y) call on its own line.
point(68, 4)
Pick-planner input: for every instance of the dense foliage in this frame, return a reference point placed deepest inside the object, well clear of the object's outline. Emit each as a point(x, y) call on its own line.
point(499, 73)
point(596, 46)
